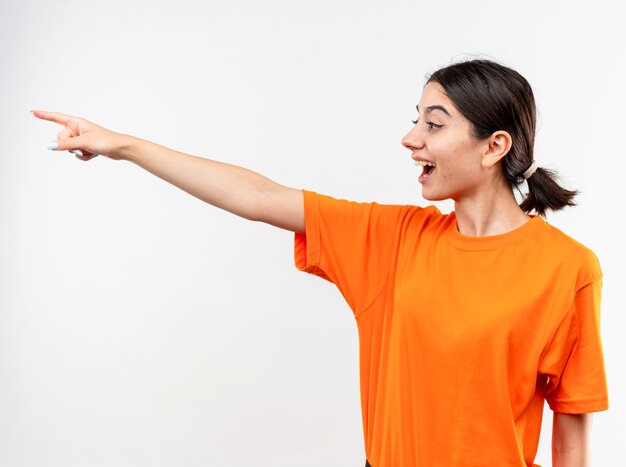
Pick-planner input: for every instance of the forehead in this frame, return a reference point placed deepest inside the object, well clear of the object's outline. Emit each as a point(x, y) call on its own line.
point(434, 100)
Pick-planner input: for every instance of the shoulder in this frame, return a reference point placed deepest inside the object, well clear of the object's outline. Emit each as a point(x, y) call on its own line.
point(572, 254)
point(400, 212)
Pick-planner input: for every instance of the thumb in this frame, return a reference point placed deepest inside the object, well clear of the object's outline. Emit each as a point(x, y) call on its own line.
point(65, 144)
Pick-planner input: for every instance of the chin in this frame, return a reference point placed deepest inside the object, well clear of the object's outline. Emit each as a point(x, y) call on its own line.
point(434, 196)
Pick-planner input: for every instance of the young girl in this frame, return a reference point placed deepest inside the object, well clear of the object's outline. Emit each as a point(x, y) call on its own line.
point(467, 321)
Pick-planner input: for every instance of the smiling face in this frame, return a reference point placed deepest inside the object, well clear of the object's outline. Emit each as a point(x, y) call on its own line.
point(443, 137)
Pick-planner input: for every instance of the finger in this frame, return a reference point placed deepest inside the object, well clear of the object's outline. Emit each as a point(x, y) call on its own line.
point(81, 153)
point(56, 117)
point(86, 157)
point(65, 133)
point(66, 144)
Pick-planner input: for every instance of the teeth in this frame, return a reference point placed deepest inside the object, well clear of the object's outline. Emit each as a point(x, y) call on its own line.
point(424, 163)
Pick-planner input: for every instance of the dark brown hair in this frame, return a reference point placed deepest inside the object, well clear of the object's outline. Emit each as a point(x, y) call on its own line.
point(494, 97)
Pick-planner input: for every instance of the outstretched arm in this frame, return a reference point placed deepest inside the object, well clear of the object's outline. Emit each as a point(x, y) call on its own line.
point(226, 186)
point(570, 440)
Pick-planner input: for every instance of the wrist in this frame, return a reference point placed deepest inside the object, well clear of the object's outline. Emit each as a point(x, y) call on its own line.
point(126, 147)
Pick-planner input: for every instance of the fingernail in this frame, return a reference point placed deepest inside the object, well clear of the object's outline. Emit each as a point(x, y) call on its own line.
point(53, 145)
point(78, 152)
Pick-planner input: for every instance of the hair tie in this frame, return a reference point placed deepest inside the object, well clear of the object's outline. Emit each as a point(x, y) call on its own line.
point(530, 170)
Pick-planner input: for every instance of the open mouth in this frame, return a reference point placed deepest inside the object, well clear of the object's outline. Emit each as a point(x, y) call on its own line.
point(427, 167)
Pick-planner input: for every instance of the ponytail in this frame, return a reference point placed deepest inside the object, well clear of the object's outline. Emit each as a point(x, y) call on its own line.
point(545, 193)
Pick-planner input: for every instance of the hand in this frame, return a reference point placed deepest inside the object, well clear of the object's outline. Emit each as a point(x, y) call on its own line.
point(82, 137)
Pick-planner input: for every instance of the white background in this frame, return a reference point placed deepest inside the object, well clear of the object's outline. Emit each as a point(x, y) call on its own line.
point(140, 326)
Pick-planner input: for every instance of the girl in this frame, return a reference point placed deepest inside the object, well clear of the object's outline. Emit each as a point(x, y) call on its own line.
point(467, 321)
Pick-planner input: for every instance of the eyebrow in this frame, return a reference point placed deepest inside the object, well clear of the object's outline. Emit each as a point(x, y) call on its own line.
point(430, 108)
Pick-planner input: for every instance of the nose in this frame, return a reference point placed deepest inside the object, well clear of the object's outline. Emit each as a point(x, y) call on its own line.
point(413, 139)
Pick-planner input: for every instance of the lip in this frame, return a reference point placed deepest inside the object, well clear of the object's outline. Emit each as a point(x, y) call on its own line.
point(424, 178)
point(417, 161)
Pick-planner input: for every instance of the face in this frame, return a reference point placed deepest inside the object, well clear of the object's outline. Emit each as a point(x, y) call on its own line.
point(442, 136)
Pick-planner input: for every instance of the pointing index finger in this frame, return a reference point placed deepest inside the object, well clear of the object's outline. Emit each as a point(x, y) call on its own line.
point(57, 117)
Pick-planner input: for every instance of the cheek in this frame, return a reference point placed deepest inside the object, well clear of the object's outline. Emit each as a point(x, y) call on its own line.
point(447, 146)
point(441, 152)
point(449, 156)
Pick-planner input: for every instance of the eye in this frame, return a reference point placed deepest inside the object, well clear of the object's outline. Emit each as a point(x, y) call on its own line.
point(432, 126)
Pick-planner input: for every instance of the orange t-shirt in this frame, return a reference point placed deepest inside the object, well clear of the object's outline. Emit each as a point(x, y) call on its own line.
point(460, 338)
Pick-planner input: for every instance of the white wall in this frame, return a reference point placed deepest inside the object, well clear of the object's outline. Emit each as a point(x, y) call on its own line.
point(140, 326)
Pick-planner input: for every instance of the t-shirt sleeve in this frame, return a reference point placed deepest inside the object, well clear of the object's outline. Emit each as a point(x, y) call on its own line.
point(574, 360)
point(348, 243)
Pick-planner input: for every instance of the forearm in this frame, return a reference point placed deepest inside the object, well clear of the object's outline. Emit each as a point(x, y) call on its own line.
point(226, 186)
point(570, 445)
point(572, 457)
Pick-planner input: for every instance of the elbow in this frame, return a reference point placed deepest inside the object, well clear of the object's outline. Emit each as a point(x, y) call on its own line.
point(570, 440)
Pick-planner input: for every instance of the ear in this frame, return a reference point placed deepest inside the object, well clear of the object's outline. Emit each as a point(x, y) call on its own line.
point(498, 145)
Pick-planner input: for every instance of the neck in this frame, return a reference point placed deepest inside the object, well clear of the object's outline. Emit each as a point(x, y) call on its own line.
point(490, 212)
